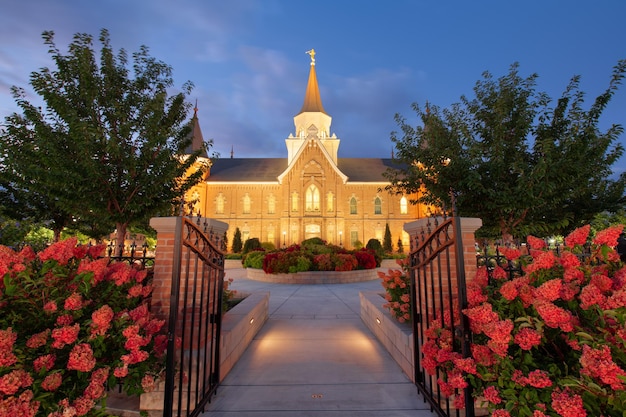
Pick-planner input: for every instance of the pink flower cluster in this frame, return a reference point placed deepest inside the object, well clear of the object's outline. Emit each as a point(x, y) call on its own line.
point(396, 284)
point(68, 320)
point(561, 323)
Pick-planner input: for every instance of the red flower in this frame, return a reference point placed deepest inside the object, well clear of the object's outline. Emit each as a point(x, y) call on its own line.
point(569, 260)
point(61, 251)
point(148, 383)
point(22, 406)
point(539, 379)
point(601, 281)
point(38, 339)
point(554, 316)
point(467, 365)
point(81, 358)
point(98, 267)
point(96, 251)
point(52, 382)
point(44, 362)
point(101, 320)
point(545, 260)
point(492, 395)
point(578, 236)
point(590, 296)
point(567, 405)
point(499, 273)
point(608, 236)
point(510, 253)
point(73, 302)
point(528, 338)
point(483, 355)
point(549, 290)
point(65, 335)
point(599, 364)
point(14, 380)
point(535, 242)
point(7, 340)
point(500, 413)
point(83, 405)
point(509, 290)
point(50, 307)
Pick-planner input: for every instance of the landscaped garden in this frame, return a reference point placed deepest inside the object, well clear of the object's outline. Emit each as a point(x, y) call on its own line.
point(311, 255)
point(549, 340)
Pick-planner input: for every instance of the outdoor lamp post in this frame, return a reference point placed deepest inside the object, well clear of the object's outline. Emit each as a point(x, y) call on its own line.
point(284, 238)
point(340, 242)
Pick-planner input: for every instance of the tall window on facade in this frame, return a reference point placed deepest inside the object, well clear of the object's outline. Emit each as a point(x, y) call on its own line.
point(312, 198)
point(378, 206)
point(353, 205)
point(354, 237)
point(271, 206)
point(404, 208)
point(246, 204)
point(294, 201)
point(219, 204)
point(330, 202)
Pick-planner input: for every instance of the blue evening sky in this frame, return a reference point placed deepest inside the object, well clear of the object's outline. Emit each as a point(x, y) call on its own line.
point(374, 58)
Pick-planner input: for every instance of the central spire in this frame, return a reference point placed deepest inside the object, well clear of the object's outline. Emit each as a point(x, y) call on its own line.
point(312, 98)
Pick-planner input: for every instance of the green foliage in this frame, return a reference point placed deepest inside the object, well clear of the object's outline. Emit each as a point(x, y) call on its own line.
point(254, 259)
point(377, 249)
point(237, 243)
point(105, 148)
point(513, 158)
point(313, 241)
point(251, 244)
point(387, 245)
point(268, 246)
point(400, 246)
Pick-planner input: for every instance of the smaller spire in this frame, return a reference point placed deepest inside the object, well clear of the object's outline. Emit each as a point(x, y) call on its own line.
point(195, 109)
point(232, 151)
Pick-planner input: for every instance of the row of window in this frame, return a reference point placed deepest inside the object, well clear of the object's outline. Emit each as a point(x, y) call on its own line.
point(311, 203)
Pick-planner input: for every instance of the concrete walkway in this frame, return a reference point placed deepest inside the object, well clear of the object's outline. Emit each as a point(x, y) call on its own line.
point(314, 357)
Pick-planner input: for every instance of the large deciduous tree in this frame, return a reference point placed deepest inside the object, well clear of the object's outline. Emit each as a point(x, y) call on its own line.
point(513, 157)
point(108, 147)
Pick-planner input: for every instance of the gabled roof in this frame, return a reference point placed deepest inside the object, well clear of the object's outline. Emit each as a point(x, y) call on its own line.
point(268, 169)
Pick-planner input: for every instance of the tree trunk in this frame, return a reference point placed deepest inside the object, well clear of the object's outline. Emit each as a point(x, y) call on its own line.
point(56, 234)
point(120, 238)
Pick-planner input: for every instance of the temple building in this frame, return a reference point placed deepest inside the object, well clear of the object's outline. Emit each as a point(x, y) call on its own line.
point(309, 193)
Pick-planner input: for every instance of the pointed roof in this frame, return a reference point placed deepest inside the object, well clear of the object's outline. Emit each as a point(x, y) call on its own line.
point(312, 98)
point(197, 141)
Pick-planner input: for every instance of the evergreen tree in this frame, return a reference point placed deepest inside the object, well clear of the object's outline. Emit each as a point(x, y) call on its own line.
point(109, 142)
point(400, 246)
point(237, 243)
point(387, 245)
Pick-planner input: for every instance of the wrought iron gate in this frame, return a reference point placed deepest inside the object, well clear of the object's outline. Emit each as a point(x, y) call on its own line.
point(193, 351)
point(438, 289)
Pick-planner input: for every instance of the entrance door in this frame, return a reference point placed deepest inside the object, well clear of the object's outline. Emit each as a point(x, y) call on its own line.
point(312, 230)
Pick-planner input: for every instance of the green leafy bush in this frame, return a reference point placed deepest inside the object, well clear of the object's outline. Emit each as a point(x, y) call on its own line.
point(254, 259)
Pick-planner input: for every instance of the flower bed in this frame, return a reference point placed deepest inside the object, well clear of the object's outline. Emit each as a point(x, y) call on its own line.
point(550, 342)
point(312, 255)
point(70, 325)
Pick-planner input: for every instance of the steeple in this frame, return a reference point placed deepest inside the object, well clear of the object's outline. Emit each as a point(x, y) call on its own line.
point(197, 140)
point(312, 123)
point(312, 98)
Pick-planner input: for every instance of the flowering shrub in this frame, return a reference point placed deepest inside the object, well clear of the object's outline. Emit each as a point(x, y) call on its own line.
point(318, 257)
point(551, 342)
point(71, 324)
point(396, 283)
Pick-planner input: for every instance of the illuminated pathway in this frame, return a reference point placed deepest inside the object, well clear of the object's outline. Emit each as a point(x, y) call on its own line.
point(315, 357)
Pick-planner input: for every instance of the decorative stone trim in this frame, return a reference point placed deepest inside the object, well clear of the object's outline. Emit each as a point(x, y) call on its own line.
point(314, 277)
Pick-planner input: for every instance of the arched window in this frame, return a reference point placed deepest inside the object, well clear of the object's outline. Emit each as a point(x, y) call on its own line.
point(219, 204)
point(353, 205)
point(312, 197)
point(378, 206)
point(271, 206)
point(404, 208)
point(246, 204)
point(294, 201)
point(330, 201)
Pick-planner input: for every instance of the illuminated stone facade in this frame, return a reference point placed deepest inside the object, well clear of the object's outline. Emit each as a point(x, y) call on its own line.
point(310, 193)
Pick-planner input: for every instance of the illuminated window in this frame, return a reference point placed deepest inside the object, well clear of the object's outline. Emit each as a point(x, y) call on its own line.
point(378, 206)
point(219, 204)
point(354, 238)
point(246, 204)
point(294, 201)
point(271, 206)
point(353, 205)
point(312, 197)
point(330, 202)
point(404, 209)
